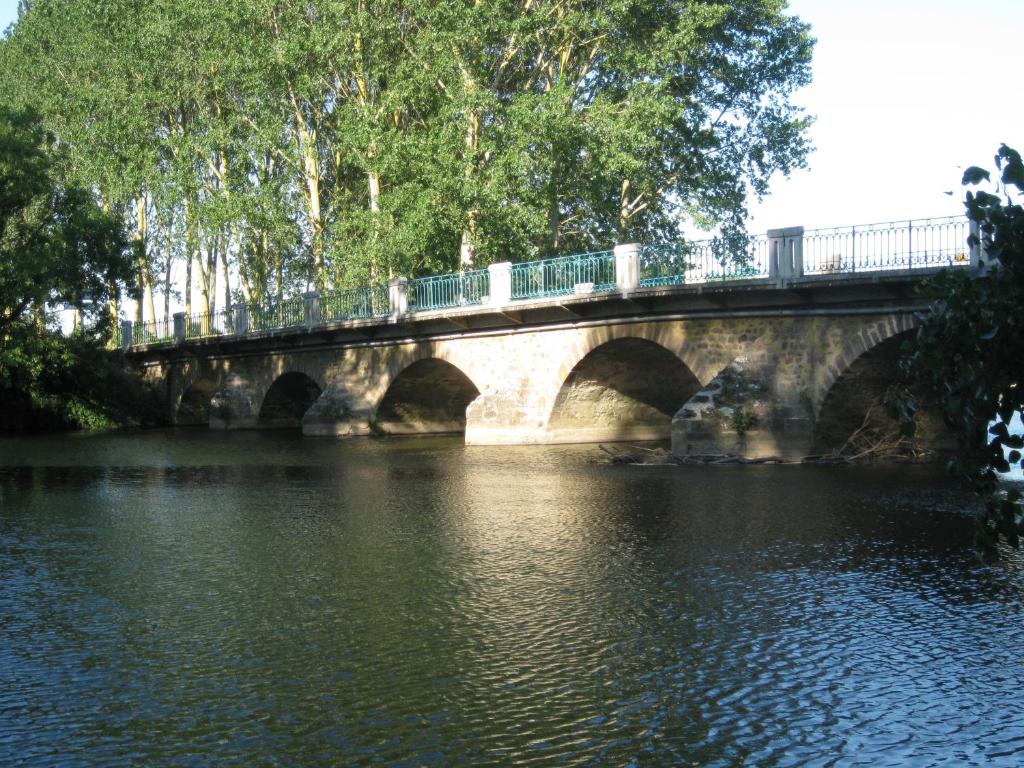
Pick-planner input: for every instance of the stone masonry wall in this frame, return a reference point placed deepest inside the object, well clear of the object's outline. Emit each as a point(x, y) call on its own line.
point(520, 374)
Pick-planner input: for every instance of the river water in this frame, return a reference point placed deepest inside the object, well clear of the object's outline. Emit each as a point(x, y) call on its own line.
point(193, 598)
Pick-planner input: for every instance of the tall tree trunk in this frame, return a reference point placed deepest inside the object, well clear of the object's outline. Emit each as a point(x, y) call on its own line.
point(244, 282)
point(113, 310)
point(373, 183)
point(624, 213)
point(195, 301)
point(225, 278)
point(188, 283)
point(146, 309)
point(467, 245)
point(169, 255)
point(212, 249)
point(201, 279)
point(278, 277)
point(311, 191)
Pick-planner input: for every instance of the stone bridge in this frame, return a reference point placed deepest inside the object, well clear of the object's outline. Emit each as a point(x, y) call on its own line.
point(759, 365)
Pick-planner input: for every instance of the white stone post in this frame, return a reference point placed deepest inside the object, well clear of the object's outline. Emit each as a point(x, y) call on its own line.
point(978, 259)
point(795, 245)
point(311, 300)
point(398, 296)
point(500, 277)
point(241, 319)
point(178, 319)
point(785, 253)
point(126, 334)
point(627, 267)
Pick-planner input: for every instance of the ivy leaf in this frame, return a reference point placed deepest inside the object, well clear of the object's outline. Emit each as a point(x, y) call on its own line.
point(1013, 171)
point(975, 175)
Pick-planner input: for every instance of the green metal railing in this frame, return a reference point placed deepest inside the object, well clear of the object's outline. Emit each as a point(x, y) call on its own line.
point(872, 248)
point(453, 290)
point(355, 304)
point(703, 261)
point(585, 272)
point(153, 332)
point(202, 325)
point(662, 265)
point(289, 313)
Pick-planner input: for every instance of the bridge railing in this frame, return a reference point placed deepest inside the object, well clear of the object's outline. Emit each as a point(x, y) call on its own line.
point(580, 273)
point(703, 261)
point(456, 289)
point(776, 258)
point(288, 313)
point(355, 304)
point(912, 244)
point(153, 332)
point(203, 325)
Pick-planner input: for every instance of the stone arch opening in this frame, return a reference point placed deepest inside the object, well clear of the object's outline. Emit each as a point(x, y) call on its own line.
point(626, 389)
point(194, 406)
point(429, 397)
point(857, 402)
point(287, 400)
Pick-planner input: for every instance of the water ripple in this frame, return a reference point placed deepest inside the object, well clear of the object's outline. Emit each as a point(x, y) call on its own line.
point(407, 604)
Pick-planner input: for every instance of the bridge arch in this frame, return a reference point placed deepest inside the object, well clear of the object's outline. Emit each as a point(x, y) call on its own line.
point(193, 406)
point(857, 396)
point(287, 399)
point(429, 395)
point(625, 387)
point(856, 345)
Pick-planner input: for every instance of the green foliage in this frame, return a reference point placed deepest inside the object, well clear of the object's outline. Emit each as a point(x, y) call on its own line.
point(969, 349)
point(56, 247)
point(339, 142)
point(73, 382)
point(743, 420)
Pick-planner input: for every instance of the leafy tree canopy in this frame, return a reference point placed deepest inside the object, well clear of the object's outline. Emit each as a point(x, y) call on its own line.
point(969, 354)
point(56, 247)
point(56, 244)
point(343, 141)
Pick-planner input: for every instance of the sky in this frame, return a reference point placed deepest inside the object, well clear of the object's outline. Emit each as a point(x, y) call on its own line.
point(906, 94)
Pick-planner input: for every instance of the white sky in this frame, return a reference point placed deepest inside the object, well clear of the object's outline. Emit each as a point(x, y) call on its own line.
point(907, 93)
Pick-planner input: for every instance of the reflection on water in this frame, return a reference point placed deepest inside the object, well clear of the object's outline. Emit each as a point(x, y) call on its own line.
point(188, 598)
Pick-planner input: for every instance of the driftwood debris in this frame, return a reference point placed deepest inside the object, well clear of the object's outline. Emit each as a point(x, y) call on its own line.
point(874, 440)
point(637, 455)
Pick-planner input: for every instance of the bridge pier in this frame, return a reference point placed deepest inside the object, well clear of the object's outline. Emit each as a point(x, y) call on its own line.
point(336, 413)
point(235, 405)
point(738, 412)
point(509, 416)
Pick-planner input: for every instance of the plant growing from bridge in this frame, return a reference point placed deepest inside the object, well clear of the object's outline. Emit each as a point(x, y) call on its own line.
point(969, 348)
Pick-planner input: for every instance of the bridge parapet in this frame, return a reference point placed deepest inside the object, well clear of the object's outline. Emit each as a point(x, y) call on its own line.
point(781, 259)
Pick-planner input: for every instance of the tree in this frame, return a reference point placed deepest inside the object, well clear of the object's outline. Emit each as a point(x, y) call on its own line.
point(56, 247)
point(56, 244)
point(969, 351)
point(339, 142)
